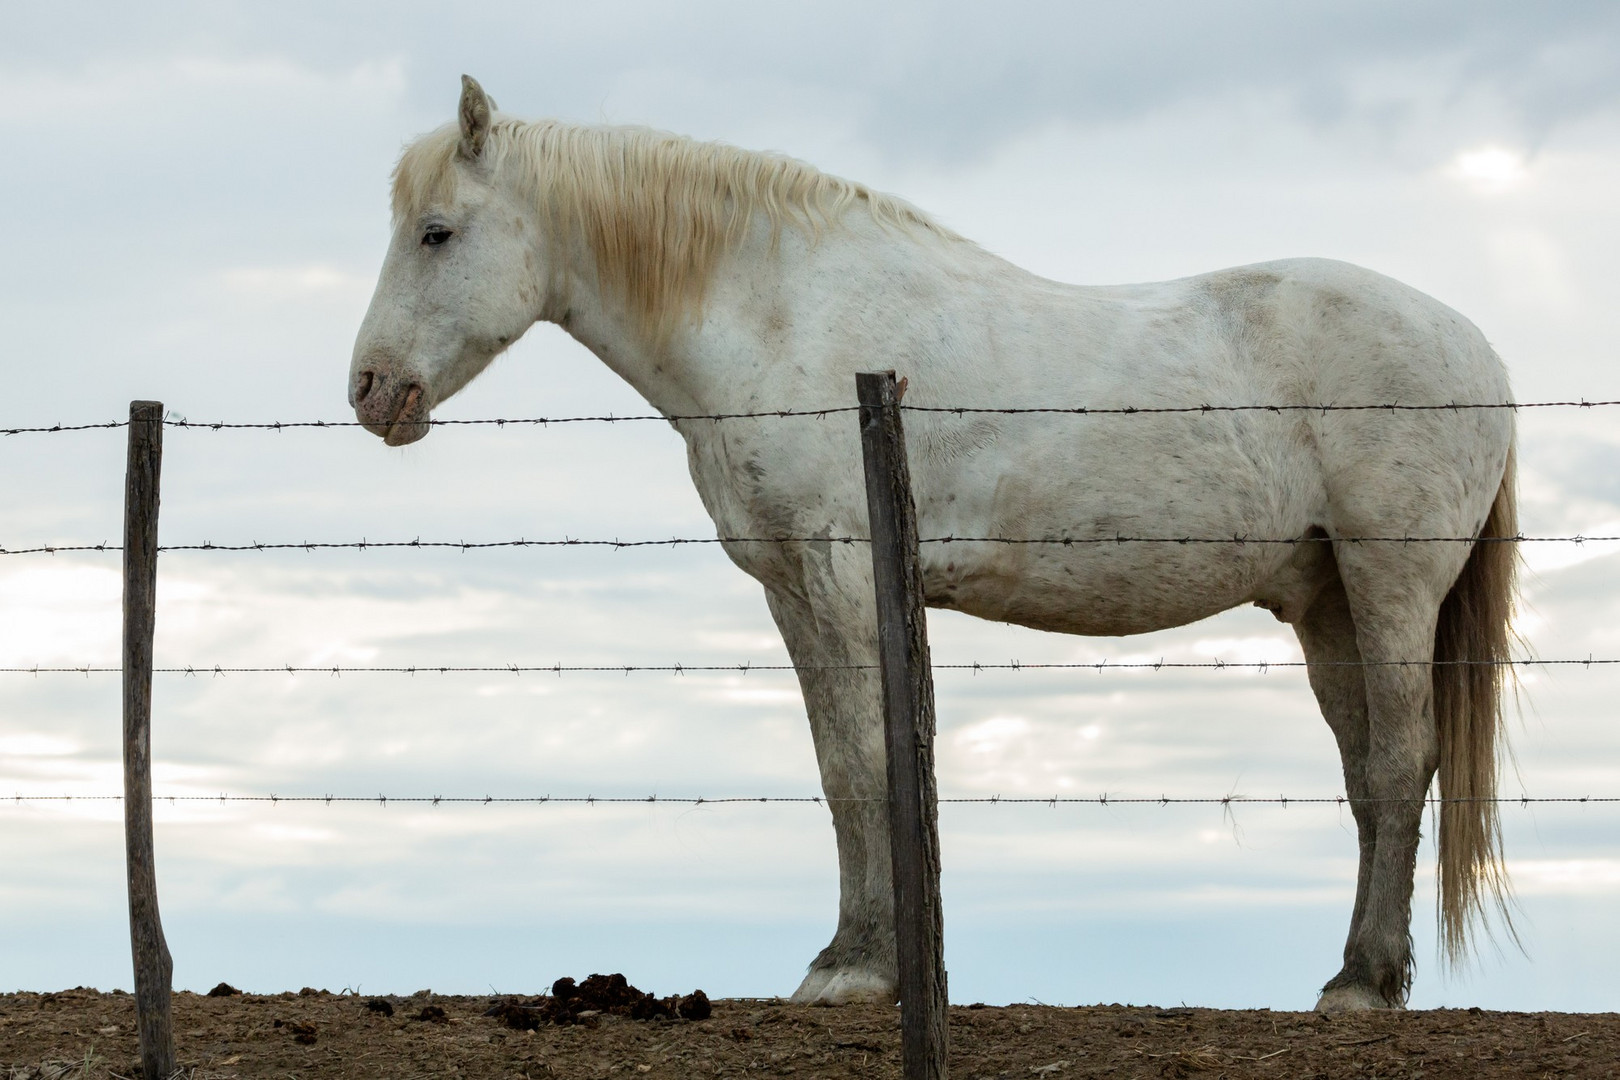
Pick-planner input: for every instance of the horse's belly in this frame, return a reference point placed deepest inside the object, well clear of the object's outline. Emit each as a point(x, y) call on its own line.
point(1098, 590)
point(1106, 518)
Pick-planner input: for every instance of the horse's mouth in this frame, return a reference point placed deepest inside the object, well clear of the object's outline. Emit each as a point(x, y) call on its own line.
point(411, 422)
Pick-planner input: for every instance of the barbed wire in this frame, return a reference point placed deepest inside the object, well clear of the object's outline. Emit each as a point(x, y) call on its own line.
point(685, 541)
point(767, 414)
point(56, 428)
point(515, 421)
point(1240, 540)
point(1140, 410)
point(456, 545)
point(958, 410)
point(1100, 666)
point(824, 800)
point(528, 421)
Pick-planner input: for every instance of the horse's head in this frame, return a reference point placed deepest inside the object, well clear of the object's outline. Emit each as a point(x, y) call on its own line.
point(459, 283)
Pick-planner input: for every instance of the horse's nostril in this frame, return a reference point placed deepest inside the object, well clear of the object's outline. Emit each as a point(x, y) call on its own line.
point(363, 387)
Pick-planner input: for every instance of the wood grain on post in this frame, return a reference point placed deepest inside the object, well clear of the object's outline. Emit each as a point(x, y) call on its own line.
point(908, 710)
point(153, 967)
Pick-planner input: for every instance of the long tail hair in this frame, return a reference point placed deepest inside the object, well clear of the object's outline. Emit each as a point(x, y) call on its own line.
point(1472, 644)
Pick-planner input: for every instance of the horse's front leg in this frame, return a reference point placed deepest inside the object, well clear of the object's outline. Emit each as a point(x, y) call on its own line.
point(831, 635)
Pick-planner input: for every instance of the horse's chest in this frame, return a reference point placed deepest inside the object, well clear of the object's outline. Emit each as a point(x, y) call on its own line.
point(759, 488)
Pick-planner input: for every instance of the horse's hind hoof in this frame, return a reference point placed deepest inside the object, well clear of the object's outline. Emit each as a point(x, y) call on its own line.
point(845, 986)
point(1345, 999)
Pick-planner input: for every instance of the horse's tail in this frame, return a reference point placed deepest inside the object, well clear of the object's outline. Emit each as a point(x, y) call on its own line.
point(1472, 644)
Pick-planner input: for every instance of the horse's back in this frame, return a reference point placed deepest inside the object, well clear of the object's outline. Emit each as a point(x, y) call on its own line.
point(1311, 330)
point(1296, 333)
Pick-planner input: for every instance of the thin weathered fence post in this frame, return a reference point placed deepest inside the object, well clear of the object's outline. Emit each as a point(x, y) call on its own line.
point(153, 967)
point(908, 709)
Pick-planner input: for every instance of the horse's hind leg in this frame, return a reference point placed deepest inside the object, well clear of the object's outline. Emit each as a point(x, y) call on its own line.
point(1393, 595)
point(827, 634)
point(1327, 633)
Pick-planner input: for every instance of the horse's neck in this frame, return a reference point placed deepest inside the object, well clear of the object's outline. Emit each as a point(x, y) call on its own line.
point(775, 313)
point(605, 327)
point(700, 369)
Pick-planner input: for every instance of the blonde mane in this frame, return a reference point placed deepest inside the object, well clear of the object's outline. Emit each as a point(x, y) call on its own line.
point(658, 211)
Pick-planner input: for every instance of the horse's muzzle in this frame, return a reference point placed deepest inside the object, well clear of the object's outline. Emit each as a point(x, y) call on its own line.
point(393, 408)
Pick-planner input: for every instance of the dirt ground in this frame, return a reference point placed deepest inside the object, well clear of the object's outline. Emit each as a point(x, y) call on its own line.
point(84, 1034)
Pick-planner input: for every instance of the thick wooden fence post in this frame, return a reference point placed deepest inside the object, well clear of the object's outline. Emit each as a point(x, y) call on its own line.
point(908, 709)
point(153, 967)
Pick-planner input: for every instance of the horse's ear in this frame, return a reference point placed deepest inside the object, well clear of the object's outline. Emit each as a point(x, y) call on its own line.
point(474, 116)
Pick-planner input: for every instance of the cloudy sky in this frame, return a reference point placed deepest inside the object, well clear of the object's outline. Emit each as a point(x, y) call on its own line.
point(195, 203)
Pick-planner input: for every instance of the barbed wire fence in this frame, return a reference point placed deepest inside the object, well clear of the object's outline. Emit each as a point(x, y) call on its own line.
point(919, 800)
point(173, 421)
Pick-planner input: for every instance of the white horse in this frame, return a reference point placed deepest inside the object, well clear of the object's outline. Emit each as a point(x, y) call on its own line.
point(715, 280)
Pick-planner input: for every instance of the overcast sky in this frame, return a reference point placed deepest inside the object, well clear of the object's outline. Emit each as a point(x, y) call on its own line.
point(196, 209)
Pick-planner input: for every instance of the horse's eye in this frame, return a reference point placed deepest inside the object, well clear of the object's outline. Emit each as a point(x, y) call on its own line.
point(434, 237)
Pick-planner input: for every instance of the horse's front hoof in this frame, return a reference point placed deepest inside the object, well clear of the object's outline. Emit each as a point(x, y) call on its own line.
point(1346, 999)
point(845, 986)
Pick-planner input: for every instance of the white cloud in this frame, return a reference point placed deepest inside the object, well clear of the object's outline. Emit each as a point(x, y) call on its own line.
point(1249, 650)
point(993, 736)
point(297, 282)
point(37, 744)
point(1532, 270)
point(1584, 876)
point(59, 612)
point(1491, 169)
point(38, 96)
point(1546, 558)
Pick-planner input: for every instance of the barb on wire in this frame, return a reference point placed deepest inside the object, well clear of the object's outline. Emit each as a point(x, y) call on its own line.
point(1104, 800)
point(686, 541)
point(1099, 666)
